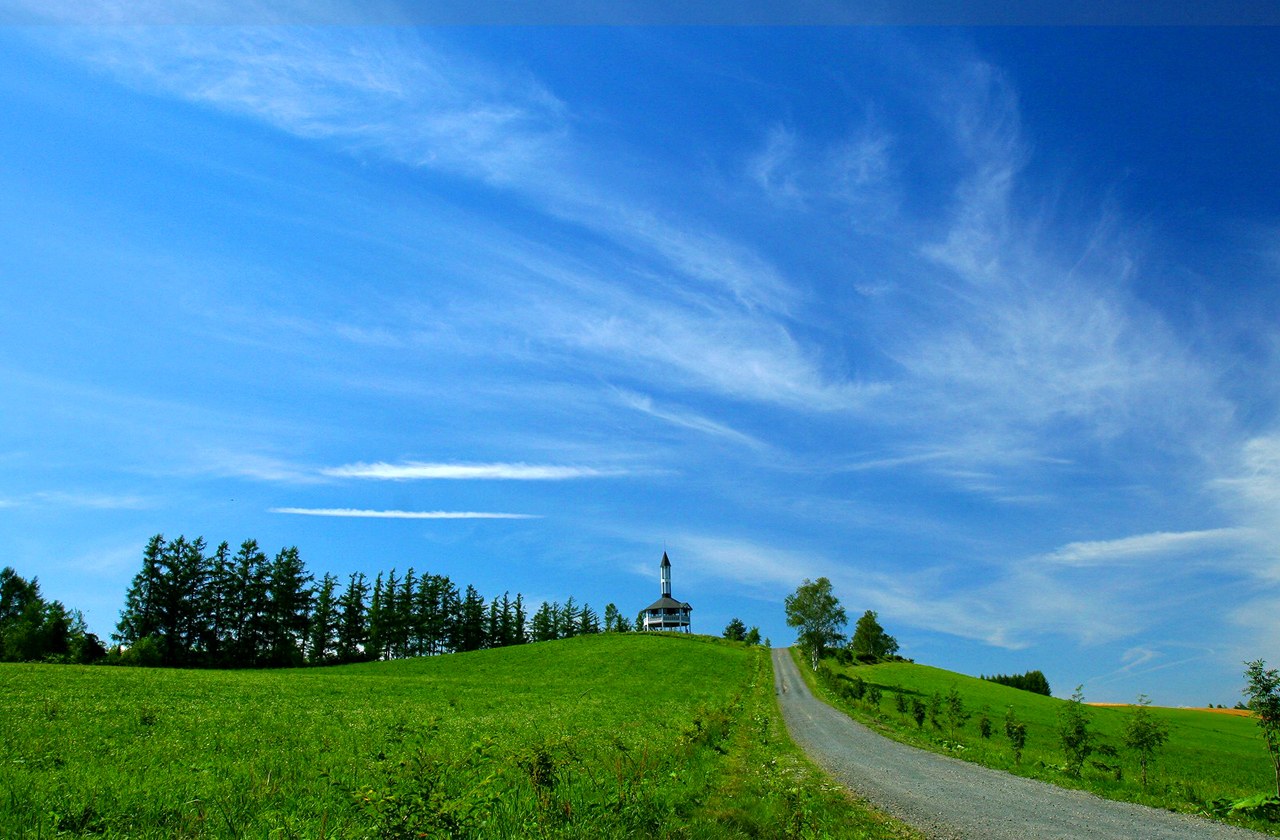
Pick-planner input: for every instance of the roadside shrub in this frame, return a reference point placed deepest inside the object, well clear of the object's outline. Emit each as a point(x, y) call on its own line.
point(1075, 732)
point(1016, 731)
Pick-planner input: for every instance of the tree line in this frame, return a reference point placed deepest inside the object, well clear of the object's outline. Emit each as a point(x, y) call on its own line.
point(1033, 681)
point(191, 607)
point(33, 629)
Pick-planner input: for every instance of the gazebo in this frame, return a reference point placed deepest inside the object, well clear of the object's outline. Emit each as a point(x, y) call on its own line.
point(667, 613)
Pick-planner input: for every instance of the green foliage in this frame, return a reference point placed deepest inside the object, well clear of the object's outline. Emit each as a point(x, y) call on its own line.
point(1145, 734)
point(984, 724)
point(1016, 731)
point(1263, 691)
point(34, 630)
point(1033, 681)
point(735, 631)
point(816, 613)
point(753, 636)
point(610, 736)
point(956, 713)
point(870, 643)
point(1261, 806)
point(1075, 732)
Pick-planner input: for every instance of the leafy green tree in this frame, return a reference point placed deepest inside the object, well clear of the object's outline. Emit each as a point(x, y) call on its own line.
point(543, 626)
point(918, 712)
point(935, 710)
point(870, 642)
point(956, 713)
point(1145, 734)
point(900, 702)
point(33, 629)
point(753, 636)
point(1016, 731)
point(613, 620)
point(816, 613)
point(735, 630)
point(1075, 732)
point(1263, 691)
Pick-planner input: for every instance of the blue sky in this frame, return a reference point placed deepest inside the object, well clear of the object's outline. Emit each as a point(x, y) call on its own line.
point(980, 323)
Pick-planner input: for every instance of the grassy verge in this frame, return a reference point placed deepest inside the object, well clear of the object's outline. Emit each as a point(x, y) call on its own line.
point(1209, 757)
point(601, 736)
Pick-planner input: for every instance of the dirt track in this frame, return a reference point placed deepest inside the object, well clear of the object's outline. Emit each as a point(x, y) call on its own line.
point(947, 798)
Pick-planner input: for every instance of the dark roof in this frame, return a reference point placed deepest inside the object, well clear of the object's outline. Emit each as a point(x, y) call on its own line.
point(665, 561)
point(666, 603)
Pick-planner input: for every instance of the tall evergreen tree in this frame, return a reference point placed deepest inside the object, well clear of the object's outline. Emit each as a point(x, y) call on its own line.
point(567, 623)
point(247, 607)
point(376, 627)
point(289, 610)
point(493, 626)
point(588, 621)
point(140, 616)
point(472, 625)
point(519, 629)
point(215, 606)
point(353, 629)
point(543, 626)
point(322, 642)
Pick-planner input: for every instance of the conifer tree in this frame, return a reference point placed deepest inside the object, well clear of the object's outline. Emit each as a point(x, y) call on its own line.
point(289, 609)
point(519, 631)
point(322, 642)
point(353, 629)
point(140, 616)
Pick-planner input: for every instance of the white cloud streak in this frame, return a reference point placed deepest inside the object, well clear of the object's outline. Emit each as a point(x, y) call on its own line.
point(415, 470)
point(354, 513)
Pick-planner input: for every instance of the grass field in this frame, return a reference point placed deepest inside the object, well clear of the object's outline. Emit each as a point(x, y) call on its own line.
point(598, 736)
point(1208, 756)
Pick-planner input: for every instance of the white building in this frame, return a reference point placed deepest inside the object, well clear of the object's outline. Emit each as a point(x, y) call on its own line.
point(667, 613)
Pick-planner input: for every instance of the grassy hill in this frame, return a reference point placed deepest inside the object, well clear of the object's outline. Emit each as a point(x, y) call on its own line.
point(599, 736)
point(1208, 756)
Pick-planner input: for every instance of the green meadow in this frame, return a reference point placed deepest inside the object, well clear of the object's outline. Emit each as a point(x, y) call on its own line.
point(613, 735)
point(1208, 757)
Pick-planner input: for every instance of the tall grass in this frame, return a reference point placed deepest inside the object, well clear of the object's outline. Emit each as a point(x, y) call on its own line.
point(599, 736)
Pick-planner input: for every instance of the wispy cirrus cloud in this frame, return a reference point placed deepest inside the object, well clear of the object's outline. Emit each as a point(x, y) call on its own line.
point(356, 513)
point(687, 419)
point(1157, 547)
point(417, 470)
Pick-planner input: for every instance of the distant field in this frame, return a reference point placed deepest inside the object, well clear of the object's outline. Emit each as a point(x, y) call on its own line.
point(599, 736)
point(1207, 757)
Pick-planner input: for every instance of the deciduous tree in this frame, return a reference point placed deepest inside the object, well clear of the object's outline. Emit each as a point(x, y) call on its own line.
point(816, 613)
point(870, 641)
point(1145, 734)
point(1263, 692)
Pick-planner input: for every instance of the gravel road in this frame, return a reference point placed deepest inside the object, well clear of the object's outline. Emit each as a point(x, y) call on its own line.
point(947, 798)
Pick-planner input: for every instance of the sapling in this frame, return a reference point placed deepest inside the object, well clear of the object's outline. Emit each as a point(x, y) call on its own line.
point(1016, 731)
point(1263, 692)
point(1145, 734)
point(1073, 730)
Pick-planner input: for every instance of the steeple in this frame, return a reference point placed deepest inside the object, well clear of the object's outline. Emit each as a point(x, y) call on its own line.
point(667, 613)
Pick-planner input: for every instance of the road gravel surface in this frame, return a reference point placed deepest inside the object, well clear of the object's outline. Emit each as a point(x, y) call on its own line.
point(949, 799)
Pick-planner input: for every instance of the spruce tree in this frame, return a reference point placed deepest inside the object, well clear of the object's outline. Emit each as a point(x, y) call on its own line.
point(353, 629)
point(322, 642)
